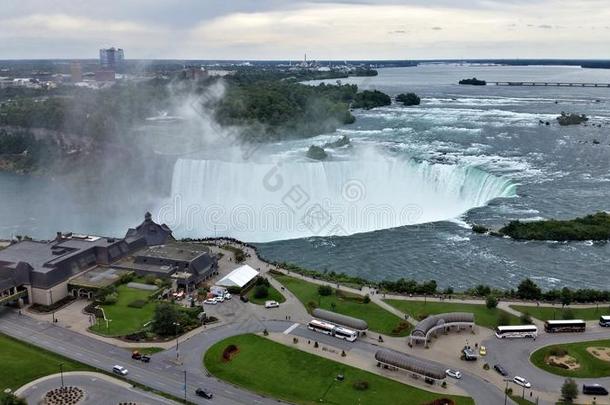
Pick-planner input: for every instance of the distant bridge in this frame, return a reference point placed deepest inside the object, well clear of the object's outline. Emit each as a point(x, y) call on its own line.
point(550, 84)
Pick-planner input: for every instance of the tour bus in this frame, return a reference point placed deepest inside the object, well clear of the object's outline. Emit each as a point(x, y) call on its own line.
point(323, 327)
point(344, 333)
point(604, 321)
point(333, 330)
point(568, 325)
point(517, 331)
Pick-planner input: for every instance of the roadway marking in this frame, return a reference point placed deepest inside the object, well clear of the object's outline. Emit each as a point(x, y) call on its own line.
point(291, 328)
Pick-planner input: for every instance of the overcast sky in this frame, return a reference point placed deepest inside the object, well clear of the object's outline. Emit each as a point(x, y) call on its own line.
point(274, 29)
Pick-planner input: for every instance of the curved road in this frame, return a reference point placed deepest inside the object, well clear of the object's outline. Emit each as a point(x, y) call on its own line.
point(514, 355)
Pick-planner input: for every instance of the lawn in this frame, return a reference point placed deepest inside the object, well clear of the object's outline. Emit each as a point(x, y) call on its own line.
point(22, 363)
point(270, 368)
point(125, 319)
point(483, 316)
point(590, 366)
point(274, 295)
point(148, 350)
point(378, 319)
point(545, 313)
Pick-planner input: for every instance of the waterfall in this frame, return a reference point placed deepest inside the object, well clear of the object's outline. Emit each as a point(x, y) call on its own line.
point(266, 202)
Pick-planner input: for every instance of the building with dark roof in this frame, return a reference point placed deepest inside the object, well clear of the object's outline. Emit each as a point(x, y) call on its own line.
point(411, 364)
point(153, 233)
point(44, 268)
point(40, 271)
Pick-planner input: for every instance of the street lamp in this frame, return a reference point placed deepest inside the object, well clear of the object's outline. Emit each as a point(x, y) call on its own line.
point(506, 391)
point(61, 373)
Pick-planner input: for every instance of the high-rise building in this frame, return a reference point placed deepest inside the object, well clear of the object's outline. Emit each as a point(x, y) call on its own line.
point(112, 59)
point(76, 72)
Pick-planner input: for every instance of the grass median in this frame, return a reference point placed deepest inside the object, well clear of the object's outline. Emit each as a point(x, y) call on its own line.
point(272, 295)
point(378, 319)
point(22, 363)
point(483, 316)
point(270, 368)
point(589, 365)
point(544, 313)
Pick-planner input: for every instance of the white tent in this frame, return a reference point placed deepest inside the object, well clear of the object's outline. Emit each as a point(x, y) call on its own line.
point(238, 277)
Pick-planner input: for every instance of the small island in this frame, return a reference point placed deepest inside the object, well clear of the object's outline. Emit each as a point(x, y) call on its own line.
point(594, 227)
point(408, 99)
point(566, 119)
point(316, 153)
point(473, 82)
point(370, 99)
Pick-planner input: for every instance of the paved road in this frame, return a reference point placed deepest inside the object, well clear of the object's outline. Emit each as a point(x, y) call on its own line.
point(98, 391)
point(160, 374)
point(514, 355)
point(163, 374)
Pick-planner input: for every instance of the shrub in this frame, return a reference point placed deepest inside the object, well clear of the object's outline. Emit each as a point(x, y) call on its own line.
point(569, 390)
point(316, 345)
point(265, 332)
point(567, 314)
point(111, 298)
point(311, 305)
point(137, 304)
point(229, 351)
point(361, 385)
point(444, 384)
point(126, 278)
point(262, 281)
point(366, 299)
point(295, 340)
point(509, 391)
point(402, 326)
point(261, 291)
point(325, 290)
point(485, 366)
point(491, 301)
point(343, 354)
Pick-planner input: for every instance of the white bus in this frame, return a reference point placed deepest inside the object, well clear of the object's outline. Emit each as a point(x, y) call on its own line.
point(604, 320)
point(323, 327)
point(344, 333)
point(517, 331)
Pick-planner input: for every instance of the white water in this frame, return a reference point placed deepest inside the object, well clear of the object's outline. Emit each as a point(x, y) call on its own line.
point(267, 202)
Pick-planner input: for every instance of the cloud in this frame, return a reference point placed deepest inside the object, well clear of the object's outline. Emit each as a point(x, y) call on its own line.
point(277, 29)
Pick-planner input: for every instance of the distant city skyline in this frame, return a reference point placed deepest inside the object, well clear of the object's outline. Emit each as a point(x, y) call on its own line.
point(274, 29)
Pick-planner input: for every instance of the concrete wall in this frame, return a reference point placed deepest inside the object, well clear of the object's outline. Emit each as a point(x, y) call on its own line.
point(43, 297)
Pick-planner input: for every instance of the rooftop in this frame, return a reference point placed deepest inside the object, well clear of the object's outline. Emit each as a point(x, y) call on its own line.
point(178, 251)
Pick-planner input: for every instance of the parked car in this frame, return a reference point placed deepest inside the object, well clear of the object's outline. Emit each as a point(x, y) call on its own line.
point(211, 301)
point(243, 298)
point(594, 389)
point(501, 370)
point(220, 299)
point(522, 382)
point(136, 355)
point(469, 355)
point(228, 296)
point(145, 358)
point(453, 373)
point(271, 304)
point(204, 393)
point(482, 351)
point(120, 370)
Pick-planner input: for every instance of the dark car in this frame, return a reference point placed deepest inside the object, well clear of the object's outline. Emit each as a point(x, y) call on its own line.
point(204, 393)
point(469, 355)
point(594, 389)
point(136, 355)
point(501, 370)
point(244, 298)
point(145, 358)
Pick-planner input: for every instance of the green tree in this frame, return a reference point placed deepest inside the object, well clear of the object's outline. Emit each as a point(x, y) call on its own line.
point(261, 291)
point(10, 399)
point(528, 290)
point(325, 290)
point(408, 99)
point(569, 390)
point(165, 320)
point(491, 301)
point(566, 296)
